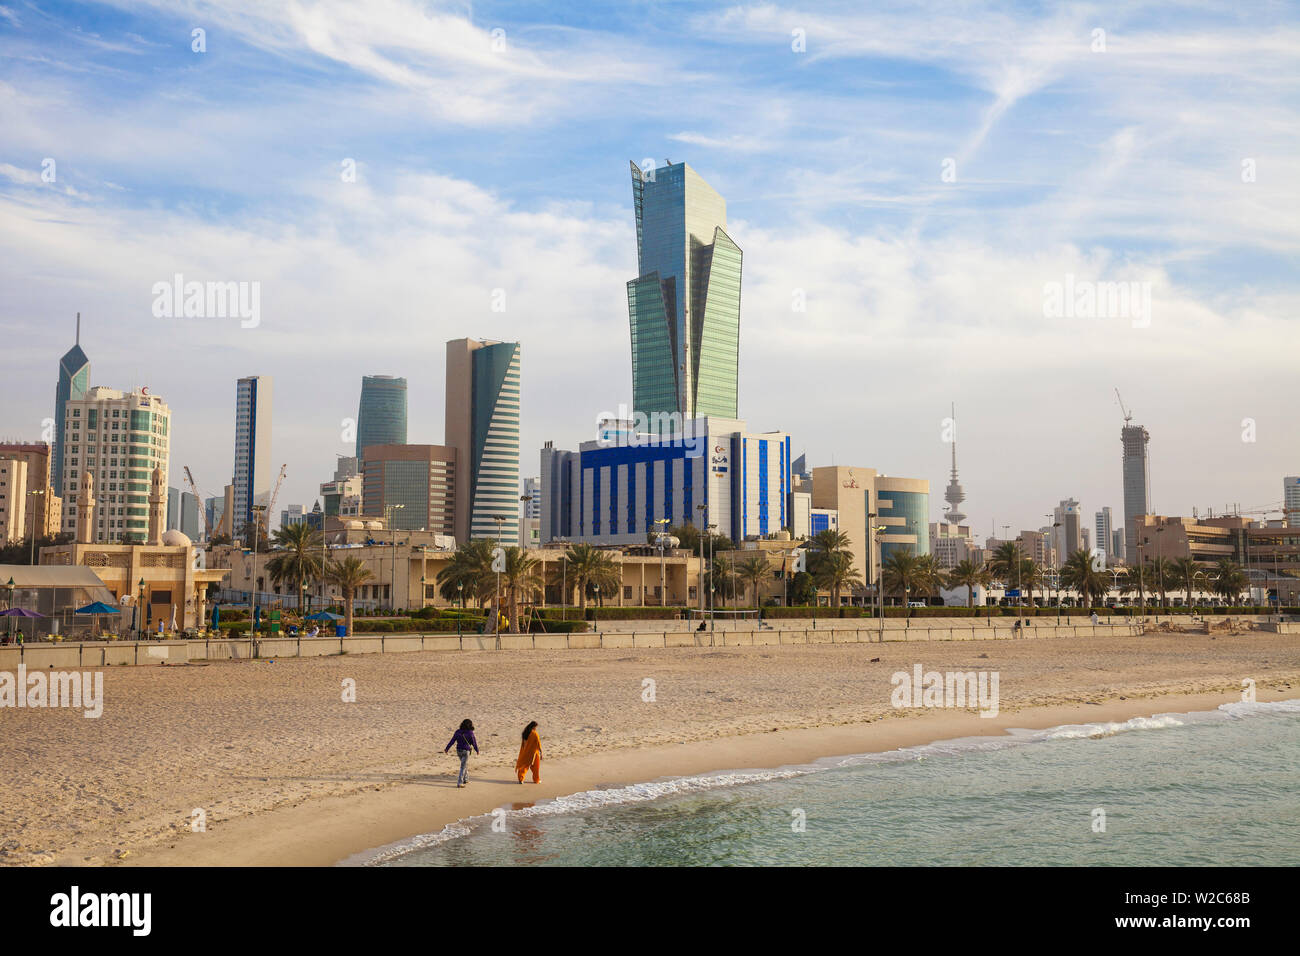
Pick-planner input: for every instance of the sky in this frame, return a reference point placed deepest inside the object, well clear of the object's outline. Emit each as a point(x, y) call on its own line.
point(912, 186)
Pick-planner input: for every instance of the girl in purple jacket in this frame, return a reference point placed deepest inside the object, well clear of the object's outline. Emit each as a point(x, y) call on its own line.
point(464, 741)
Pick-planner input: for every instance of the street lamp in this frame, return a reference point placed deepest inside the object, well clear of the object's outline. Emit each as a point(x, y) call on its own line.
point(460, 596)
point(595, 611)
point(11, 587)
point(704, 523)
point(138, 603)
point(1160, 571)
point(660, 537)
point(39, 491)
point(877, 532)
point(253, 609)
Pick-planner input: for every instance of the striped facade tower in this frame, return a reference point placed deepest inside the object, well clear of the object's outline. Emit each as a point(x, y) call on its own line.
point(483, 426)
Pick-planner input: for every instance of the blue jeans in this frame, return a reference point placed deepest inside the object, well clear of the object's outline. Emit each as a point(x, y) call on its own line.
point(463, 776)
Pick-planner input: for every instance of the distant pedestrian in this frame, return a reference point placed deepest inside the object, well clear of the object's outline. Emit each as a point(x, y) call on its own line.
point(464, 740)
point(530, 754)
point(1094, 617)
point(1015, 628)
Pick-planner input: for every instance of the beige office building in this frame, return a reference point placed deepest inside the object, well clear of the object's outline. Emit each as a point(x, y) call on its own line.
point(410, 487)
point(44, 511)
point(13, 500)
point(899, 505)
point(118, 438)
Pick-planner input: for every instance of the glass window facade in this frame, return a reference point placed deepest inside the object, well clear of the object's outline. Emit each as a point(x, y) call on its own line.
point(381, 415)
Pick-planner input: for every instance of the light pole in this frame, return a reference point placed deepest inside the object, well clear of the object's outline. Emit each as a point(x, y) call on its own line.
point(1142, 594)
point(39, 491)
point(595, 610)
point(877, 532)
point(252, 620)
point(1160, 572)
point(1020, 596)
point(138, 616)
point(713, 589)
point(704, 523)
point(11, 587)
point(663, 592)
point(460, 596)
point(496, 608)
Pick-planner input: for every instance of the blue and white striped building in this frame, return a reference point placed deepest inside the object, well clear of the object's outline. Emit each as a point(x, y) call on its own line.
point(612, 491)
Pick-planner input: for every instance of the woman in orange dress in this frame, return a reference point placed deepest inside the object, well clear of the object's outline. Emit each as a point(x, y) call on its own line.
point(530, 754)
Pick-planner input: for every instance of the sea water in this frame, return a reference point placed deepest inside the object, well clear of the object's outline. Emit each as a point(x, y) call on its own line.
point(1208, 788)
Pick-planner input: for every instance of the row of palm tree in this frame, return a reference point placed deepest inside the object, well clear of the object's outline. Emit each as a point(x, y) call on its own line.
point(1081, 574)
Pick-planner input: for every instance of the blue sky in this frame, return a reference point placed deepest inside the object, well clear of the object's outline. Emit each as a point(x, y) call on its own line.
point(500, 162)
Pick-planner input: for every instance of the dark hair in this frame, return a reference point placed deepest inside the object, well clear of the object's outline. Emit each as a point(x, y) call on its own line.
point(529, 729)
point(467, 724)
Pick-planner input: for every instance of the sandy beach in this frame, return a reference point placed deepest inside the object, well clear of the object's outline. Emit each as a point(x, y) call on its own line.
point(288, 773)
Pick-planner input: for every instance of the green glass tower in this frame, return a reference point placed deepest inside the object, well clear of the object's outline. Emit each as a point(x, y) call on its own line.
point(684, 306)
point(74, 382)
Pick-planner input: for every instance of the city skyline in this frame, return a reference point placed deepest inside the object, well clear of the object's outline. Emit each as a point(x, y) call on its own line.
point(898, 270)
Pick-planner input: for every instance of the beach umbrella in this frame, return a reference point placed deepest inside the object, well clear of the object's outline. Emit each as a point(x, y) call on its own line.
point(216, 616)
point(324, 616)
point(173, 619)
point(98, 608)
point(19, 612)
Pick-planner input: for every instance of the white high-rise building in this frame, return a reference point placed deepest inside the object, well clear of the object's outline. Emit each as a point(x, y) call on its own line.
point(252, 474)
point(118, 438)
point(1291, 500)
point(1104, 534)
point(1067, 537)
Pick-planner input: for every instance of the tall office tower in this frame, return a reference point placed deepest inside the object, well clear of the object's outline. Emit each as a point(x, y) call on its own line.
point(1105, 534)
point(483, 426)
point(684, 305)
point(1117, 545)
point(1291, 500)
point(1137, 482)
point(74, 382)
point(954, 495)
point(214, 508)
point(119, 438)
point(1069, 536)
point(411, 487)
point(381, 416)
point(252, 449)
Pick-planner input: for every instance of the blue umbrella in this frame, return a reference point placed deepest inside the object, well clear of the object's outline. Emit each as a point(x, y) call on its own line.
point(99, 607)
point(257, 618)
point(216, 616)
point(324, 616)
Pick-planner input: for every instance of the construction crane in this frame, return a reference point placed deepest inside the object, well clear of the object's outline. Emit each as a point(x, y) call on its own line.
point(1128, 416)
point(275, 493)
point(194, 490)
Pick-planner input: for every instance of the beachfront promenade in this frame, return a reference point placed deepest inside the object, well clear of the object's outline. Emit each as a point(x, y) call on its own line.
point(133, 653)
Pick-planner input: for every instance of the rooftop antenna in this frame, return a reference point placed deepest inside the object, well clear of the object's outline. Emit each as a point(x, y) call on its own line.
point(78, 328)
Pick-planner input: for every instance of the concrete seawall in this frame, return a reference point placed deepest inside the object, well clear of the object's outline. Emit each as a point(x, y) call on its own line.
point(67, 656)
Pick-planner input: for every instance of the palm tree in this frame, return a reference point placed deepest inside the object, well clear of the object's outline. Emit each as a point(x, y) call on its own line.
point(348, 575)
point(901, 574)
point(834, 571)
point(1006, 559)
point(752, 571)
point(1079, 575)
point(719, 577)
point(826, 553)
point(929, 576)
point(468, 573)
point(1230, 579)
point(520, 575)
point(588, 568)
point(1162, 576)
point(300, 557)
point(1184, 571)
point(969, 575)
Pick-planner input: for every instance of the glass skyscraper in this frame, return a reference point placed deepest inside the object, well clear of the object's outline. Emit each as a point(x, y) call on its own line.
point(381, 416)
point(483, 426)
point(684, 306)
point(74, 383)
point(252, 473)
